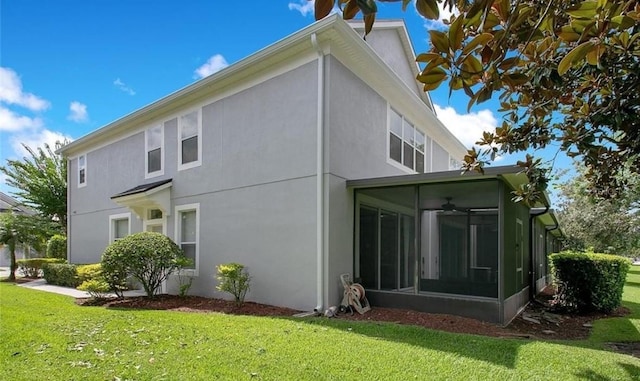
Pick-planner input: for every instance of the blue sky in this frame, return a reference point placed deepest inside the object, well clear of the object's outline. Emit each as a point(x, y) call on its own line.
point(68, 67)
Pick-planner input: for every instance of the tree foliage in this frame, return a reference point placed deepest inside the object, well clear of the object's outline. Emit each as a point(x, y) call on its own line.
point(17, 230)
point(604, 225)
point(567, 74)
point(40, 181)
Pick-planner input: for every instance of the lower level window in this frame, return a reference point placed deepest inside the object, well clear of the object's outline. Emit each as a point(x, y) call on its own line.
point(119, 226)
point(188, 231)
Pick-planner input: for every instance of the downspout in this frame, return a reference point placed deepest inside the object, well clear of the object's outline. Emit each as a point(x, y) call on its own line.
point(319, 180)
point(532, 274)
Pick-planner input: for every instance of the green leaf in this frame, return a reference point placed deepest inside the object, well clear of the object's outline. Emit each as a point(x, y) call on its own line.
point(456, 34)
point(584, 10)
point(577, 54)
point(351, 10)
point(478, 40)
point(440, 41)
point(428, 9)
point(367, 6)
point(435, 75)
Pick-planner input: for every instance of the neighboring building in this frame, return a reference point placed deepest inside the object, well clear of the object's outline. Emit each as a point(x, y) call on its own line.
point(9, 204)
point(281, 162)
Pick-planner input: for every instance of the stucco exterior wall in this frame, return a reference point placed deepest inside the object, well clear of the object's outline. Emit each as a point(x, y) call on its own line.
point(386, 44)
point(255, 188)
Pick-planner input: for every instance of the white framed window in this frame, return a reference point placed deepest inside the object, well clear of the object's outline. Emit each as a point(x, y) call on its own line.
point(82, 171)
point(154, 151)
point(187, 232)
point(119, 226)
point(190, 139)
point(406, 143)
point(155, 221)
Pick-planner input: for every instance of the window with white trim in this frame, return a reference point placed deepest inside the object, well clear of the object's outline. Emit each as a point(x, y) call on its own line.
point(82, 170)
point(119, 226)
point(406, 143)
point(189, 140)
point(188, 232)
point(154, 148)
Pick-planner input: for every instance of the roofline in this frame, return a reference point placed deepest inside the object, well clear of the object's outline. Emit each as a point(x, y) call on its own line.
point(433, 177)
point(508, 173)
point(198, 88)
point(230, 70)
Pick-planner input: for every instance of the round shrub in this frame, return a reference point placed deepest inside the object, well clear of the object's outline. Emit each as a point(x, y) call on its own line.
point(148, 257)
point(57, 247)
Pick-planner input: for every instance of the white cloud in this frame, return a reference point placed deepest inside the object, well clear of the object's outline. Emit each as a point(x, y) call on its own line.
point(11, 92)
point(123, 87)
point(78, 112)
point(214, 63)
point(305, 7)
point(445, 14)
point(36, 139)
point(12, 122)
point(468, 128)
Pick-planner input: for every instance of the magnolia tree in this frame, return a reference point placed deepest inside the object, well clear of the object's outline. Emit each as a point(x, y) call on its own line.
point(566, 73)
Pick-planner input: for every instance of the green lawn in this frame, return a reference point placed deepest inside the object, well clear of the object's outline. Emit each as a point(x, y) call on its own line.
point(46, 336)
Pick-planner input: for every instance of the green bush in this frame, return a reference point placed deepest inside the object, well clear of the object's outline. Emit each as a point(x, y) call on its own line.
point(89, 272)
point(61, 274)
point(589, 281)
point(57, 247)
point(233, 279)
point(148, 257)
point(30, 268)
point(97, 288)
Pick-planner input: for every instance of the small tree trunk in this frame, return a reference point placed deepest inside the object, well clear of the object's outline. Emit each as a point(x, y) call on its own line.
point(14, 265)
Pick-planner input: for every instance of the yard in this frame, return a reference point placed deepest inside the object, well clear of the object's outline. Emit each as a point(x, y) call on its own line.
point(48, 336)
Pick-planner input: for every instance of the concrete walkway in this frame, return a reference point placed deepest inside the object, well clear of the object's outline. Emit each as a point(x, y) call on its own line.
point(42, 285)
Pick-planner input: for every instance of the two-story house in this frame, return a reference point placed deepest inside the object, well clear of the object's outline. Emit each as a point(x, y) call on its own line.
point(316, 156)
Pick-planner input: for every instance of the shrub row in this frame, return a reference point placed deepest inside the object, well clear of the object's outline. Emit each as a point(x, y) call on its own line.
point(61, 274)
point(31, 267)
point(68, 275)
point(589, 281)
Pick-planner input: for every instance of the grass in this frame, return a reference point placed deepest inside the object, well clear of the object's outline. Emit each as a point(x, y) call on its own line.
point(47, 336)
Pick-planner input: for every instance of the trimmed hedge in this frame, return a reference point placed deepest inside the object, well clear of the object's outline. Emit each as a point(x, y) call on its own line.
point(57, 247)
point(89, 272)
point(61, 274)
point(589, 281)
point(31, 267)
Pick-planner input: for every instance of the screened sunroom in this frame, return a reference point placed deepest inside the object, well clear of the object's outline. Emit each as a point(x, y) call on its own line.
point(443, 242)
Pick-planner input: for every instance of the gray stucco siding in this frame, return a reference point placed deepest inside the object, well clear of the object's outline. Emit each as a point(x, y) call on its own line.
point(90, 234)
point(356, 127)
point(387, 45)
point(269, 228)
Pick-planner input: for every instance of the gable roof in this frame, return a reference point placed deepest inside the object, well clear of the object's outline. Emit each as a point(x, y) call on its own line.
point(332, 33)
point(10, 204)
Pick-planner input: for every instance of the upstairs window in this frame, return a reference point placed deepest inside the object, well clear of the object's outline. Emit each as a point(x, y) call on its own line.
point(82, 170)
point(154, 144)
point(406, 143)
point(190, 140)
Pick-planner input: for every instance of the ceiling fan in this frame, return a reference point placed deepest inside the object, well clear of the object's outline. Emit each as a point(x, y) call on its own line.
point(451, 207)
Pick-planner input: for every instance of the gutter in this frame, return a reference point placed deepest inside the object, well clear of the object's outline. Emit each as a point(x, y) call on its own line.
point(319, 179)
